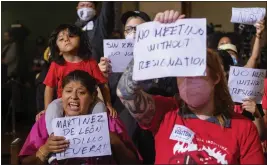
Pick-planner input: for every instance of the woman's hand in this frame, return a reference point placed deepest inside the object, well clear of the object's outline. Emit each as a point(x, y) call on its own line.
point(259, 27)
point(169, 16)
point(55, 144)
point(251, 106)
point(104, 66)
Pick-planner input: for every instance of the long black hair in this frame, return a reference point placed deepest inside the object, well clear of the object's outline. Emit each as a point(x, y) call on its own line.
point(84, 51)
point(83, 77)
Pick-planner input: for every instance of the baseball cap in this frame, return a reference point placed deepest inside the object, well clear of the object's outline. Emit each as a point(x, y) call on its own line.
point(129, 14)
point(228, 47)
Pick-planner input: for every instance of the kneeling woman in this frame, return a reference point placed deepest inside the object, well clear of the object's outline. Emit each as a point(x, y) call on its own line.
point(78, 87)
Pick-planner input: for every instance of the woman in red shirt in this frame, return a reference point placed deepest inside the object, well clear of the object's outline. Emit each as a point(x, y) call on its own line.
point(201, 127)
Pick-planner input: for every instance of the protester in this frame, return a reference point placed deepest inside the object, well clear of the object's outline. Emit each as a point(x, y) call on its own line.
point(70, 50)
point(205, 103)
point(79, 88)
point(164, 86)
point(142, 139)
point(248, 108)
point(226, 44)
point(97, 27)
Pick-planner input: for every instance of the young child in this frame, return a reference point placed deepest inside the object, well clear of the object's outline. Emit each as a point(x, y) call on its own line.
point(70, 50)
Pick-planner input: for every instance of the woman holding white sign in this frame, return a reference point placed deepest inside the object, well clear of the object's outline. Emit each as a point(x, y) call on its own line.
point(78, 98)
point(248, 108)
point(199, 128)
point(225, 43)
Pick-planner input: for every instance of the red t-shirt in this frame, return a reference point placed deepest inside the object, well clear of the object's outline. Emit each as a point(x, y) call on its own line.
point(264, 98)
point(191, 140)
point(57, 72)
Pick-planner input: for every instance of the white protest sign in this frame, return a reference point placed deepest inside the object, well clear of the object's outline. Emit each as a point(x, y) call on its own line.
point(247, 15)
point(119, 52)
point(170, 50)
point(246, 83)
point(88, 135)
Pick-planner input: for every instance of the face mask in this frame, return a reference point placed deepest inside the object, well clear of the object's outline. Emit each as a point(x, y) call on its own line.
point(195, 91)
point(130, 36)
point(234, 60)
point(85, 14)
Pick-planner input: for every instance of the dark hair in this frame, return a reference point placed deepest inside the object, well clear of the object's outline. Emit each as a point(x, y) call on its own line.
point(83, 77)
point(84, 51)
point(226, 58)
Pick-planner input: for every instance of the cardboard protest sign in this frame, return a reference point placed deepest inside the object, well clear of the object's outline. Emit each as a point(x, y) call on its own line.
point(88, 135)
point(170, 50)
point(247, 16)
point(119, 52)
point(246, 83)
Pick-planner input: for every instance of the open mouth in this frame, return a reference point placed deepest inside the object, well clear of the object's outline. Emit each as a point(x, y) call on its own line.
point(74, 106)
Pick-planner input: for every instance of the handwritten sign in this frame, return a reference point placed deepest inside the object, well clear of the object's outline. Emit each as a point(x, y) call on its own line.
point(119, 52)
point(246, 83)
point(170, 50)
point(88, 135)
point(247, 15)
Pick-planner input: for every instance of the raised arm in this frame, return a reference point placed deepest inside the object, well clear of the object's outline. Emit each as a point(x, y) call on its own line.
point(140, 104)
point(106, 18)
point(252, 62)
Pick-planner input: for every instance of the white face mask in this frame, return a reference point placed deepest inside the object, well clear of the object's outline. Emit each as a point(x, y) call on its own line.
point(130, 36)
point(86, 14)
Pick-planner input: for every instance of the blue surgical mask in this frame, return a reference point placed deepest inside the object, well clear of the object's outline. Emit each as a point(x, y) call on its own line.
point(234, 60)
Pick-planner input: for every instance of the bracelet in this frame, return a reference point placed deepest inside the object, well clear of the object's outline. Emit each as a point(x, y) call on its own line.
point(44, 157)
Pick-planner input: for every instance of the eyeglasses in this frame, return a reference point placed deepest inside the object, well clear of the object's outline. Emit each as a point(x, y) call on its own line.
point(130, 29)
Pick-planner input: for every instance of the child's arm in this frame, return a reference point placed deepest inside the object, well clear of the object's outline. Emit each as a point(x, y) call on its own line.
point(48, 96)
point(107, 100)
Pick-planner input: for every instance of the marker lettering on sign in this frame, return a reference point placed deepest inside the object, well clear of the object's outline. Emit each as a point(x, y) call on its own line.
point(246, 83)
point(169, 44)
point(170, 50)
point(89, 139)
point(119, 55)
point(142, 34)
point(187, 61)
point(112, 45)
point(247, 15)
